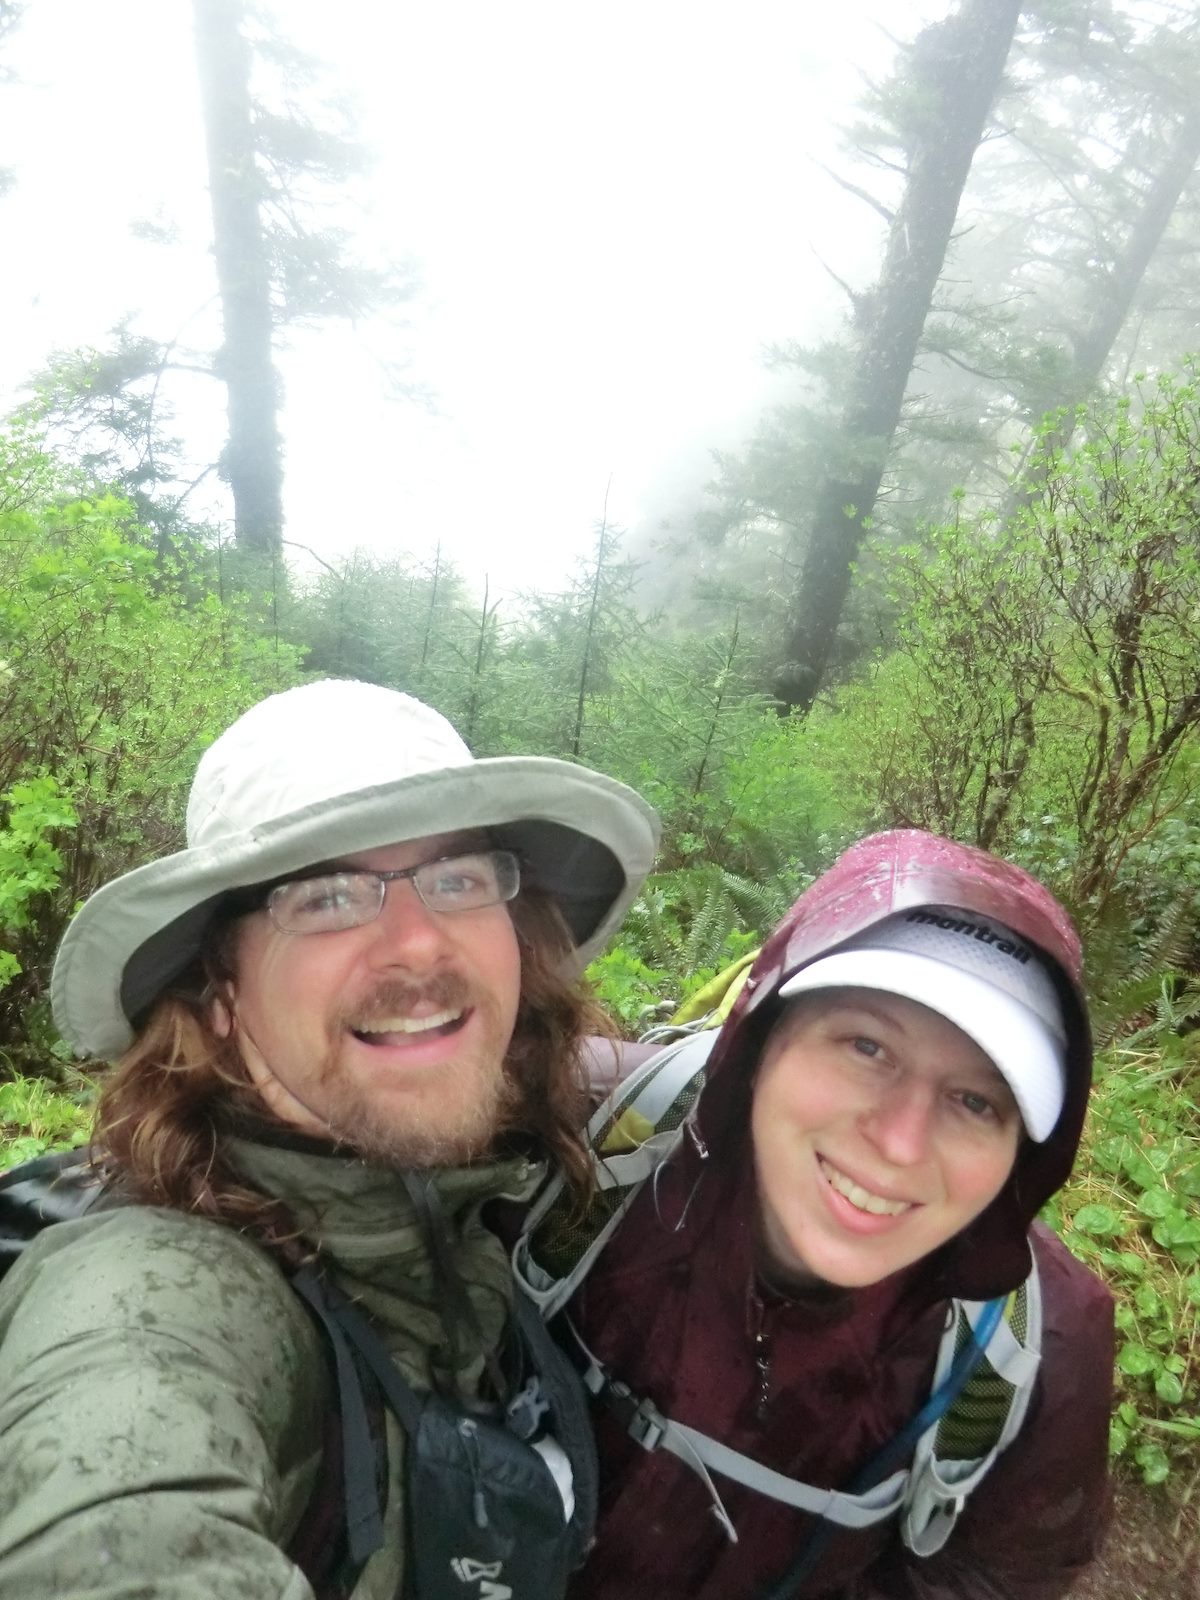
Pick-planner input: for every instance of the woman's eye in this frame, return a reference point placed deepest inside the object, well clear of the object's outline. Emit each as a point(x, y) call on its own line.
point(977, 1104)
point(868, 1047)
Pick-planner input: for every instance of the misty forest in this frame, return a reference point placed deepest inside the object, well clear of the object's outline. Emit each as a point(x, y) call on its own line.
point(947, 577)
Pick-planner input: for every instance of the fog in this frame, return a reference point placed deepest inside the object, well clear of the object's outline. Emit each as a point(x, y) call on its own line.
point(607, 212)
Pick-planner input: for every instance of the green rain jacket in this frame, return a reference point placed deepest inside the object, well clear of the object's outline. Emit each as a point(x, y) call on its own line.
point(163, 1390)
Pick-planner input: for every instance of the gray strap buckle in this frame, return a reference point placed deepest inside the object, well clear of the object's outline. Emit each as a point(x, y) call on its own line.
point(642, 1421)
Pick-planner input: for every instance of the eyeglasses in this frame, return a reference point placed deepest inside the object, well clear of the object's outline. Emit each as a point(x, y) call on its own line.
point(337, 900)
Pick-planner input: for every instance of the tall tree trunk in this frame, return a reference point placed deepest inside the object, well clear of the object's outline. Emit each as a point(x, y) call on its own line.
point(252, 460)
point(956, 70)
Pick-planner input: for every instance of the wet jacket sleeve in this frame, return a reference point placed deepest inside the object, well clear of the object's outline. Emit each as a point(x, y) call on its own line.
point(1038, 1518)
point(161, 1397)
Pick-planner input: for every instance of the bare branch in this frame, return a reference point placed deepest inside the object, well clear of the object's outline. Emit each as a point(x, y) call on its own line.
point(309, 551)
point(861, 194)
point(858, 301)
point(957, 361)
point(881, 161)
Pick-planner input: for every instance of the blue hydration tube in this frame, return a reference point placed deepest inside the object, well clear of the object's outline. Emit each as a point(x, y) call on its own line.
point(898, 1449)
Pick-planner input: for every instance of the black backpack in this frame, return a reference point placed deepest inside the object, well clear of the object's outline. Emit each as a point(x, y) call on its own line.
point(486, 1518)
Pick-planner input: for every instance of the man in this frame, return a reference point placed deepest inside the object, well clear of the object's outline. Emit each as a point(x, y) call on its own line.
point(343, 1026)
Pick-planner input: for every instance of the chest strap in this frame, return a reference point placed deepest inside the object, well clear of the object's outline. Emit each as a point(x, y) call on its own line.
point(879, 1490)
point(703, 1455)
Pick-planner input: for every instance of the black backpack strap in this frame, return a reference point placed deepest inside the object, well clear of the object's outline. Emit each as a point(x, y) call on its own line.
point(52, 1188)
point(349, 1330)
point(360, 1489)
point(570, 1410)
point(360, 1356)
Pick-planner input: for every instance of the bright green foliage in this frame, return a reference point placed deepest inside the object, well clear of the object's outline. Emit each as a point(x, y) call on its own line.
point(1132, 1212)
point(675, 723)
point(117, 674)
point(1049, 668)
point(29, 863)
point(35, 1118)
point(629, 989)
point(684, 928)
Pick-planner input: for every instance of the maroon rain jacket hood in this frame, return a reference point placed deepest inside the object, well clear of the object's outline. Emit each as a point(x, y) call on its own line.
point(876, 878)
point(813, 1386)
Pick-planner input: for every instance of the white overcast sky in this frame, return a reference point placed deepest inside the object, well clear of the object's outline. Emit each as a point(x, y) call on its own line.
point(612, 208)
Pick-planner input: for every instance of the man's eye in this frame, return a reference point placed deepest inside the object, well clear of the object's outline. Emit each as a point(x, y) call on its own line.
point(458, 881)
point(464, 878)
point(319, 896)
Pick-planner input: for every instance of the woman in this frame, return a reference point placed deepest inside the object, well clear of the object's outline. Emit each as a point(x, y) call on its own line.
point(897, 1091)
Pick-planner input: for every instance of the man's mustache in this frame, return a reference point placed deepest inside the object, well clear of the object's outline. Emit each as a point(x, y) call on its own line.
point(394, 997)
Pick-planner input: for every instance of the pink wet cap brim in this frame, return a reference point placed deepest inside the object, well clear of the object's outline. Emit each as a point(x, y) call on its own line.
point(1025, 1051)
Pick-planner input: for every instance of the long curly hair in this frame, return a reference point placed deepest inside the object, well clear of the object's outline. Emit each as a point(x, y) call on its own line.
point(172, 1101)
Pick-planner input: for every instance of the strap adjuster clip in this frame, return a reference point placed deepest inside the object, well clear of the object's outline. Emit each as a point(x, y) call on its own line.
point(642, 1421)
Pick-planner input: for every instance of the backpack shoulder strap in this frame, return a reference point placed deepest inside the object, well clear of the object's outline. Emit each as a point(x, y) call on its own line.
point(630, 1135)
point(984, 1417)
point(56, 1187)
point(705, 1456)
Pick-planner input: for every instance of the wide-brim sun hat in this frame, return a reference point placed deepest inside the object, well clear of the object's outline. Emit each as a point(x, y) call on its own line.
point(319, 773)
point(976, 973)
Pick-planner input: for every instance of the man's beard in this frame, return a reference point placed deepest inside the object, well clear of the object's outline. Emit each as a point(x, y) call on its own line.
point(432, 1133)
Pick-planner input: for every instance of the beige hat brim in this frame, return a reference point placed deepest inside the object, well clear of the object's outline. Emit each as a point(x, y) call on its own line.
point(588, 841)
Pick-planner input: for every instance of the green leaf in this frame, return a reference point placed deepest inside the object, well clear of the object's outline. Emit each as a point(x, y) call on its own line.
point(1152, 1459)
point(1168, 1388)
point(1156, 1203)
point(1147, 1300)
point(22, 1149)
point(1182, 1427)
point(1098, 1219)
point(1177, 1231)
point(1135, 1166)
point(1136, 1361)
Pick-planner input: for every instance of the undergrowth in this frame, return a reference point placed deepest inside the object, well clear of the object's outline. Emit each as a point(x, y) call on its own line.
point(1132, 1212)
point(36, 1117)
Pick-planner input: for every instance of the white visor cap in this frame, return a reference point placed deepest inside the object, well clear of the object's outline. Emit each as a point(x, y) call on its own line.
point(977, 974)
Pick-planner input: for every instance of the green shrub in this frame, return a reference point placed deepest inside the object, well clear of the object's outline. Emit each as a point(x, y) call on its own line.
point(1132, 1212)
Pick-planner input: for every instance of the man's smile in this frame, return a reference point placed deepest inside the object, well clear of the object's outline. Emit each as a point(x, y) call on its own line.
point(395, 1030)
